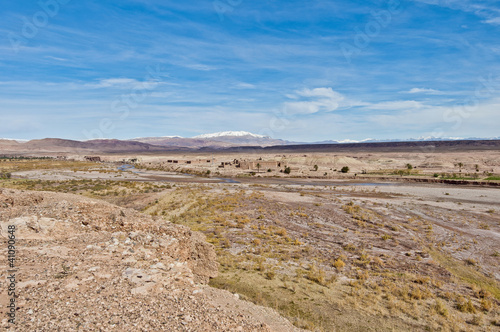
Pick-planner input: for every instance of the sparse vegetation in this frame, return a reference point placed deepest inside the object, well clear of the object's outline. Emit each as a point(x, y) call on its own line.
point(493, 178)
point(312, 253)
point(5, 175)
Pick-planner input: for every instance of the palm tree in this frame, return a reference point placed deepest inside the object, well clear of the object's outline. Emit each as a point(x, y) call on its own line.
point(460, 165)
point(258, 168)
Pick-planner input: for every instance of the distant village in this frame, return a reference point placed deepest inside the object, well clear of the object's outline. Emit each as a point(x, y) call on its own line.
point(242, 164)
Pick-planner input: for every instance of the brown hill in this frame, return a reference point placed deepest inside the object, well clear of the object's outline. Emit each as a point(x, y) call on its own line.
point(152, 145)
point(64, 145)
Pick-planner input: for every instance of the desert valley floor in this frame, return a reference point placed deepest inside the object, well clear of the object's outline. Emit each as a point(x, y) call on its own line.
point(326, 254)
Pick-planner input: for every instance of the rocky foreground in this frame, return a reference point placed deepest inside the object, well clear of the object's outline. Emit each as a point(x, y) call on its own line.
point(87, 265)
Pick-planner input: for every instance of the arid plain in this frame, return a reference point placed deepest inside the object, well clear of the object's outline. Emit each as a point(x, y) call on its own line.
point(346, 241)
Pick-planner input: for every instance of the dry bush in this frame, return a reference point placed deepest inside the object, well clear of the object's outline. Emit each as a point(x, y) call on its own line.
point(316, 274)
point(349, 247)
point(280, 231)
point(486, 305)
point(270, 274)
point(386, 237)
point(339, 264)
point(470, 261)
point(440, 308)
point(465, 305)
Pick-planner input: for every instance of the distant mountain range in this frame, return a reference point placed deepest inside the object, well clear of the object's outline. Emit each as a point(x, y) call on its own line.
point(244, 138)
point(57, 145)
point(217, 141)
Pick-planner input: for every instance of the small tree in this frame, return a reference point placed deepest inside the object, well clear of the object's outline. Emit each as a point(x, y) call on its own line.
point(287, 170)
point(315, 168)
point(5, 175)
point(409, 166)
point(460, 165)
point(345, 169)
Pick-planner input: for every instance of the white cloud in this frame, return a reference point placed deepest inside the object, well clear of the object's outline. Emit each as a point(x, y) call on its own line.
point(398, 105)
point(319, 99)
point(113, 82)
point(484, 10)
point(121, 83)
point(424, 91)
point(201, 67)
point(55, 58)
point(243, 85)
point(495, 21)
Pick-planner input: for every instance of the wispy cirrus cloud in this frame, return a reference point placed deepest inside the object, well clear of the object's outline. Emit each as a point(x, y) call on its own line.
point(397, 105)
point(121, 83)
point(487, 10)
point(424, 91)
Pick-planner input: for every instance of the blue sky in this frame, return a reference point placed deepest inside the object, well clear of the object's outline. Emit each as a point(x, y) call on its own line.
point(298, 70)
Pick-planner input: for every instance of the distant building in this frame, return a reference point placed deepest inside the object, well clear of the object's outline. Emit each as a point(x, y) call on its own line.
point(93, 159)
point(252, 165)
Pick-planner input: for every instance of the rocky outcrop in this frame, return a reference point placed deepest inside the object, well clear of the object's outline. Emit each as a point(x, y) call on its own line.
point(31, 210)
point(87, 265)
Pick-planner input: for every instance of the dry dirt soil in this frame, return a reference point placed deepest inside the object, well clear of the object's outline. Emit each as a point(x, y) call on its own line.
point(125, 251)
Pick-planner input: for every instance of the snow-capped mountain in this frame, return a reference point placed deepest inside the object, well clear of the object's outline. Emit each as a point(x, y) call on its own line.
point(345, 141)
point(14, 139)
point(420, 139)
point(231, 134)
point(215, 140)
